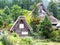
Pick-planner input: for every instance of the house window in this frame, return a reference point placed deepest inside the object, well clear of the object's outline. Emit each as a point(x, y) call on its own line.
point(25, 33)
point(21, 25)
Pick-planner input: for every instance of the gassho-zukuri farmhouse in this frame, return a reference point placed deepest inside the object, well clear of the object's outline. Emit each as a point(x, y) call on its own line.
point(21, 27)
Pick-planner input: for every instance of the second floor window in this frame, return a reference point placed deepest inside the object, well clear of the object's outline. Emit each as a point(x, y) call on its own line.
point(21, 25)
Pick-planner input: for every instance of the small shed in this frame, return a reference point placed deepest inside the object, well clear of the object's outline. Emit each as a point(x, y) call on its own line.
point(21, 26)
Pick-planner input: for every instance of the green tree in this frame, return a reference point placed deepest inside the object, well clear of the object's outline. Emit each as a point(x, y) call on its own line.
point(35, 12)
point(8, 3)
point(37, 1)
point(58, 5)
point(15, 2)
point(34, 24)
point(1, 3)
point(45, 27)
point(6, 10)
point(4, 3)
point(53, 8)
point(35, 21)
point(16, 11)
point(25, 4)
point(3, 17)
point(1, 23)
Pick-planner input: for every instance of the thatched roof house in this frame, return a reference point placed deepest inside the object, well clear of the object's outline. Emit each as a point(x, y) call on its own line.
point(21, 27)
point(43, 11)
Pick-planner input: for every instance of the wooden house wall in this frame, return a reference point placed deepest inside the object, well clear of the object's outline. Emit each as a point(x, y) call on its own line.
point(17, 30)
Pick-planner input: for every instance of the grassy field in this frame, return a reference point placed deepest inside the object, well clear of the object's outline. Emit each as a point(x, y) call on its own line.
point(45, 42)
point(49, 43)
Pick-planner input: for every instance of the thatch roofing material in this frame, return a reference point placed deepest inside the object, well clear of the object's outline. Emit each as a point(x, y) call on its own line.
point(23, 19)
point(51, 17)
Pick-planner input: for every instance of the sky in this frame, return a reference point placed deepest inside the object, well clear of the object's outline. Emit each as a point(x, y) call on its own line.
point(46, 2)
point(49, 0)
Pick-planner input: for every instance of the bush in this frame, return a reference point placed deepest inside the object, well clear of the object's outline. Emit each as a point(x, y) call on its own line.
point(58, 36)
point(27, 40)
point(34, 24)
point(14, 39)
point(1, 43)
point(6, 41)
point(55, 36)
point(58, 39)
point(14, 34)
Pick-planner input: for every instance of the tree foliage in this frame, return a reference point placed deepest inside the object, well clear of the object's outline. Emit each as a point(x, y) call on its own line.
point(34, 24)
point(16, 11)
point(24, 4)
point(45, 27)
point(6, 10)
point(53, 8)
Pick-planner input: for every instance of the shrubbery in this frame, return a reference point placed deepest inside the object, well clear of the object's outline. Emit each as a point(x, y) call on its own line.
point(14, 39)
point(55, 36)
point(1, 43)
point(41, 29)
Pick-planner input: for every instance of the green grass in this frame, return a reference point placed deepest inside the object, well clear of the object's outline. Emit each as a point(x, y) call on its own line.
point(45, 42)
point(49, 43)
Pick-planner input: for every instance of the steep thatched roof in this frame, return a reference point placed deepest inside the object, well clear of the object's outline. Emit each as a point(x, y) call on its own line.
point(51, 17)
point(23, 19)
